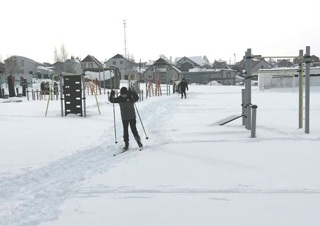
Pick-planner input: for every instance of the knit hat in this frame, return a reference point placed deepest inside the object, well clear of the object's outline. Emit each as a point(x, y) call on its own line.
point(123, 90)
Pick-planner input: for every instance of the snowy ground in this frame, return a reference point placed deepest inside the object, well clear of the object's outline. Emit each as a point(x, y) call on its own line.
point(61, 170)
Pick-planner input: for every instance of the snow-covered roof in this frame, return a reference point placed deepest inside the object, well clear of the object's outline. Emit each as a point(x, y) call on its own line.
point(195, 69)
point(151, 62)
point(45, 68)
point(197, 59)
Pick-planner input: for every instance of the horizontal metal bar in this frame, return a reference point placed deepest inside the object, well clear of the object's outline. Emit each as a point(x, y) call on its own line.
point(261, 57)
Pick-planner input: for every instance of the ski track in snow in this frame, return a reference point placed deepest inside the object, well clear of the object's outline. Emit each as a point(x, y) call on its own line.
point(35, 196)
point(107, 190)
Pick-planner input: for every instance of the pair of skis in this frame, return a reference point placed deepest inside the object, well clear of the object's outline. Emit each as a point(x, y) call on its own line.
point(125, 150)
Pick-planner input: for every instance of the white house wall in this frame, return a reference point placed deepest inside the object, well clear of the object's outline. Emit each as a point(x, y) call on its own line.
point(285, 78)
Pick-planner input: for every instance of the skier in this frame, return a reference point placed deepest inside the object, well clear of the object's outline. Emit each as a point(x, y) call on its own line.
point(126, 101)
point(182, 87)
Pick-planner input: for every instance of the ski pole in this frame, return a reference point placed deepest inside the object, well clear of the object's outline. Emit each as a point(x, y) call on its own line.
point(114, 122)
point(141, 121)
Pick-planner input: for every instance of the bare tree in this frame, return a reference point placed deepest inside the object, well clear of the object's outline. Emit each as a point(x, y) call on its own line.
point(56, 55)
point(131, 58)
point(164, 57)
point(62, 56)
point(63, 53)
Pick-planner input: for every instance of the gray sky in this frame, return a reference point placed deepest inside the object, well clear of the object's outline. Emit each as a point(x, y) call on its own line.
point(217, 29)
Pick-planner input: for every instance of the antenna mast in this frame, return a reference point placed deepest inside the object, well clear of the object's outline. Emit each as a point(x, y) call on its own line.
point(125, 40)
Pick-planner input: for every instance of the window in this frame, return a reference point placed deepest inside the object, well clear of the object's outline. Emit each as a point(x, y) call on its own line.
point(121, 62)
point(22, 63)
point(114, 63)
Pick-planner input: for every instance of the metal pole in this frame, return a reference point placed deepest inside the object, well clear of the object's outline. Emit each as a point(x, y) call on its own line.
point(114, 120)
point(114, 74)
point(141, 121)
point(61, 94)
point(146, 90)
point(84, 96)
point(300, 88)
point(307, 59)
point(99, 82)
point(248, 87)
point(104, 81)
point(243, 95)
point(254, 117)
point(248, 115)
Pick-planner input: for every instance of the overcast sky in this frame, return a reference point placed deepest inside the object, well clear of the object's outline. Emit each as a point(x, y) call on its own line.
point(216, 29)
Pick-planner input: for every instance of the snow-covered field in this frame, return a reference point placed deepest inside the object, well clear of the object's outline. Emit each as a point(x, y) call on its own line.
point(61, 170)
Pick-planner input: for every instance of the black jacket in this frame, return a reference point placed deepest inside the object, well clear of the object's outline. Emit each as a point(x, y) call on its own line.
point(183, 86)
point(126, 104)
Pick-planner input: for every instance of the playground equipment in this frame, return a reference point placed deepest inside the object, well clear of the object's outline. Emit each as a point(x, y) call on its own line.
point(157, 88)
point(150, 90)
point(134, 82)
point(230, 119)
point(303, 60)
point(92, 86)
point(11, 88)
point(249, 111)
point(247, 107)
point(72, 95)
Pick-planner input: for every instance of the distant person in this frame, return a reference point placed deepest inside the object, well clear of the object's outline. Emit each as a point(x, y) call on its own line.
point(183, 85)
point(128, 115)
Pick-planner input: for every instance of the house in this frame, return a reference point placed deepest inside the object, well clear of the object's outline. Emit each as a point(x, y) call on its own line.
point(315, 61)
point(259, 64)
point(20, 66)
point(187, 63)
point(72, 65)
point(1, 68)
point(2, 79)
point(284, 63)
point(223, 76)
point(161, 70)
point(285, 77)
point(90, 62)
point(219, 64)
point(44, 72)
point(58, 67)
point(256, 65)
point(124, 65)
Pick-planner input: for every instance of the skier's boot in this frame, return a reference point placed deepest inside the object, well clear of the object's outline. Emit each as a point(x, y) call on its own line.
point(126, 146)
point(139, 142)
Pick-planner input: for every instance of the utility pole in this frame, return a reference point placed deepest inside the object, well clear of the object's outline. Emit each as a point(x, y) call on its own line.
point(125, 39)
